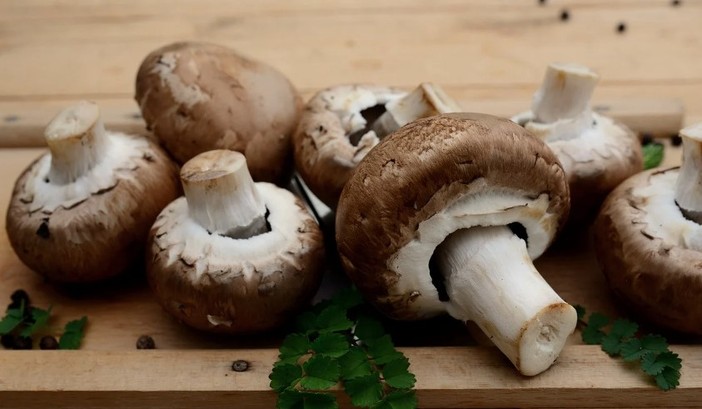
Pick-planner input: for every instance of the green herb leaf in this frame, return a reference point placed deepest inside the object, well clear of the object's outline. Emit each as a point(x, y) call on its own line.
point(396, 374)
point(294, 399)
point(294, 346)
point(331, 344)
point(321, 373)
point(13, 318)
point(368, 329)
point(624, 328)
point(668, 379)
point(611, 344)
point(593, 334)
point(580, 310)
point(364, 391)
point(73, 334)
point(306, 322)
point(354, 364)
point(383, 351)
point(40, 318)
point(652, 155)
point(284, 376)
point(631, 350)
point(332, 319)
point(654, 343)
point(401, 399)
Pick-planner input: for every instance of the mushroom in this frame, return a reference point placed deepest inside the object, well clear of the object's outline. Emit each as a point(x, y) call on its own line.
point(597, 152)
point(648, 240)
point(232, 255)
point(82, 211)
point(341, 124)
point(197, 97)
point(445, 215)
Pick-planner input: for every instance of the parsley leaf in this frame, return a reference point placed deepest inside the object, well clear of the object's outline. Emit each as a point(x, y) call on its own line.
point(354, 364)
point(652, 155)
point(321, 372)
point(40, 318)
point(73, 334)
point(284, 376)
point(365, 390)
point(396, 374)
point(331, 344)
point(621, 340)
point(580, 311)
point(340, 341)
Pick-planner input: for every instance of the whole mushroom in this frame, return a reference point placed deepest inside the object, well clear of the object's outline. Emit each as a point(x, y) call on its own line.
point(198, 97)
point(596, 152)
point(341, 124)
point(233, 256)
point(82, 211)
point(445, 216)
point(648, 240)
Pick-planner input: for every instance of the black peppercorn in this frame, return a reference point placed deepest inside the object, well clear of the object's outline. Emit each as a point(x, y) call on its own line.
point(23, 343)
point(8, 341)
point(565, 15)
point(676, 140)
point(240, 365)
point(145, 342)
point(18, 296)
point(675, 3)
point(542, 2)
point(48, 342)
point(646, 139)
point(621, 27)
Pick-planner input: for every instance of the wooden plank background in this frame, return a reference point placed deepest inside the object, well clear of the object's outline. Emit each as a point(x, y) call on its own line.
point(489, 55)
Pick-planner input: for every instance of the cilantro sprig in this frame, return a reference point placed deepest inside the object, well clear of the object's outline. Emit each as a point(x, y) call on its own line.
point(620, 338)
point(340, 342)
point(24, 321)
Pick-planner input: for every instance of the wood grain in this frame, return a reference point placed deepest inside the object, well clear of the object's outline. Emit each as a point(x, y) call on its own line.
point(489, 55)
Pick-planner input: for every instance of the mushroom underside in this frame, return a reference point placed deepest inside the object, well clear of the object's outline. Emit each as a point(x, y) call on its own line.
point(200, 277)
point(650, 252)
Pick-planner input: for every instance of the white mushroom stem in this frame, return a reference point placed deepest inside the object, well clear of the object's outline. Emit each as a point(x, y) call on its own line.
point(688, 188)
point(491, 280)
point(426, 100)
point(565, 92)
point(221, 195)
point(77, 140)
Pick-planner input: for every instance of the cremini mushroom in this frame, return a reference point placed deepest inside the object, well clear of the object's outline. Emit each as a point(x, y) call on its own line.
point(648, 240)
point(445, 215)
point(232, 255)
point(342, 123)
point(197, 97)
point(597, 153)
point(82, 211)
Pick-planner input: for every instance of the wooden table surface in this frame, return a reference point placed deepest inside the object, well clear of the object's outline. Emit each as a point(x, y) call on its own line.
point(489, 55)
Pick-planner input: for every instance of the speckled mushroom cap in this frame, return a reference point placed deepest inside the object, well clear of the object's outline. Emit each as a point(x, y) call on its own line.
point(94, 227)
point(198, 97)
point(217, 283)
point(595, 161)
point(597, 153)
point(430, 178)
point(650, 253)
point(325, 155)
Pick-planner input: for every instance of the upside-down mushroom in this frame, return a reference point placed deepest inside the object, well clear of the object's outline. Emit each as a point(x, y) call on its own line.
point(648, 240)
point(445, 216)
point(197, 97)
point(82, 211)
point(233, 256)
point(597, 152)
point(341, 124)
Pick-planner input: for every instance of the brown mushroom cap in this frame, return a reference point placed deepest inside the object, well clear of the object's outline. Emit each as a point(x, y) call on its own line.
point(217, 283)
point(325, 157)
point(451, 172)
point(652, 259)
point(596, 162)
point(98, 236)
point(198, 97)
